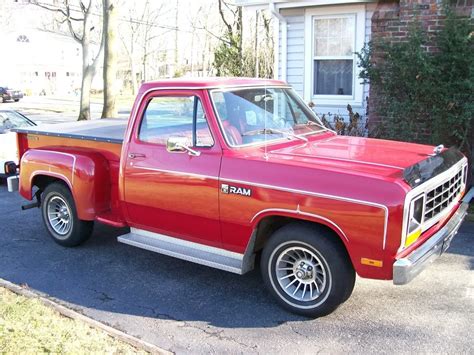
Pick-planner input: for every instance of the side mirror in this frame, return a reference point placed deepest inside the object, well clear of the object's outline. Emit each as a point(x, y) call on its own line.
point(180, 145)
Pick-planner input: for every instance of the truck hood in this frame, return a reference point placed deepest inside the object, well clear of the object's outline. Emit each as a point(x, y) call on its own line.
point(371, 156)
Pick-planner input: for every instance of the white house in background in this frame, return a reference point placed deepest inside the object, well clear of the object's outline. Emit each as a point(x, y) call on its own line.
point(37, 61)
point(315, 52)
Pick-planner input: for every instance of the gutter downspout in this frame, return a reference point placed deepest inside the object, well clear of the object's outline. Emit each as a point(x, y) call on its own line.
point(284, 42)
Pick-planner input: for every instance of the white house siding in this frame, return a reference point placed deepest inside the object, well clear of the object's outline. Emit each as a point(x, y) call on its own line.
point(295, 63)
point(295, 49)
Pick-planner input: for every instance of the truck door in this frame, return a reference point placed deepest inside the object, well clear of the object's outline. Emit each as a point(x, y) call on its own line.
point(172, 168)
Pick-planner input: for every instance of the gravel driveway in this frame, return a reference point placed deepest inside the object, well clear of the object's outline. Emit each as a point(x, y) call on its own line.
point(188, 308)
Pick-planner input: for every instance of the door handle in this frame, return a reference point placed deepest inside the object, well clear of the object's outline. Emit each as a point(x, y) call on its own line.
point(136, 155)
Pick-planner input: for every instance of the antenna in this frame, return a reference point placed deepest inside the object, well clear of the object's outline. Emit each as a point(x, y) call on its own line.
point(265, 154)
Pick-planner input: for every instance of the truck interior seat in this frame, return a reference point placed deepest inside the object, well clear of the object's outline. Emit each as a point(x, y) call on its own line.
point(232, 133)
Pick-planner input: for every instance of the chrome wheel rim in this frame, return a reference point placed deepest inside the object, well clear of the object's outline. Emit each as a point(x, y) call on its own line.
point(59, 216)
point(301, 274)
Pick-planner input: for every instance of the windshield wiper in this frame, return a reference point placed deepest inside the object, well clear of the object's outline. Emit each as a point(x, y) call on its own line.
point(288, 134)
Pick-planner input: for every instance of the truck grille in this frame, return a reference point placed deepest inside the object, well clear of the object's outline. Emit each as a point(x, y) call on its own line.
point(443, 195)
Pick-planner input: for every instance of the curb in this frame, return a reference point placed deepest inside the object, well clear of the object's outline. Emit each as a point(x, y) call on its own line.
point(69, 313)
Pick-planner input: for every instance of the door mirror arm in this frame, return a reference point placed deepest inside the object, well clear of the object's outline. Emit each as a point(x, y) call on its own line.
point(179, 145)
point(190, 151)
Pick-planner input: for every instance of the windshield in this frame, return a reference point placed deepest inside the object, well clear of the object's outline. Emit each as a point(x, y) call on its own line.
point(255, 115)
point(12, 119)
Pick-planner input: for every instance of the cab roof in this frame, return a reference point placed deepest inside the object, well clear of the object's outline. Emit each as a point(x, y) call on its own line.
point(209, 83)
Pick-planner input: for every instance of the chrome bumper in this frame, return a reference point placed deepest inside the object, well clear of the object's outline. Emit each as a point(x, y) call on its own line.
point(405, 269)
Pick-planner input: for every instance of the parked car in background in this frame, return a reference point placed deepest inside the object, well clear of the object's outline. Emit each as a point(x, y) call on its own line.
point(10, 119)
point(7, 94)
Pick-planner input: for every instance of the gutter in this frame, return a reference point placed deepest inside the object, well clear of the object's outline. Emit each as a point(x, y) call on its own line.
point(284, 41)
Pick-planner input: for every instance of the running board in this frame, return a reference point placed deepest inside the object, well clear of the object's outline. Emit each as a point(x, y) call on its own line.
point(183, 249)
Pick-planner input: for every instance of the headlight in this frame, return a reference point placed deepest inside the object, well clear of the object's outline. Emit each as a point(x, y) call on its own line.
point(415, 219)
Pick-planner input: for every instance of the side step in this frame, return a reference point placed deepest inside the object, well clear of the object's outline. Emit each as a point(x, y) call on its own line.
point(183, 249)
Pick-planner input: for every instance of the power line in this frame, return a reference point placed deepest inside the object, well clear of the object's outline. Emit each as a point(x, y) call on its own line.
point(75, 8)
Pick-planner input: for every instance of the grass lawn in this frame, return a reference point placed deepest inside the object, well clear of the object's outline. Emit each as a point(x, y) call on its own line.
point(28, 326)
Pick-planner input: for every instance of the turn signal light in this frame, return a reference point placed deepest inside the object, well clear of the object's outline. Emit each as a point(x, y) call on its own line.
point(411, 238)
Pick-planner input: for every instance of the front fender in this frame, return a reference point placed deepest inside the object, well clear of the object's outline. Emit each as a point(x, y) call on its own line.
point(311, 217)
point(85, 173)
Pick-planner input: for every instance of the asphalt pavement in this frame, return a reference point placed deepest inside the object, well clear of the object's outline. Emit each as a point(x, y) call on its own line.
point(188, 308)
point(50, 109)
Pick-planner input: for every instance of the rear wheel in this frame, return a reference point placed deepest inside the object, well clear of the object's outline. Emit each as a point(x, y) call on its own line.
point(16, 100)
point(60, 217)
point(307, 270)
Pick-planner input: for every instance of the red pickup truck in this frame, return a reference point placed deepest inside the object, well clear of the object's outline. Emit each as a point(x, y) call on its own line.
point(221, 171)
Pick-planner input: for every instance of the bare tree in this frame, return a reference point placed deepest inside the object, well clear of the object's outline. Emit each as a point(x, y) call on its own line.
point(81, 28)
point(138, 31)
point(5, 14)
point(229, 54)
point(110, 58)
point(149, 34)
point(204, 24)
point(129, 37)
point(233, 49)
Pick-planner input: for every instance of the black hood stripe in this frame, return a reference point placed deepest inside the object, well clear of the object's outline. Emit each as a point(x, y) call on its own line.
point(434, 165)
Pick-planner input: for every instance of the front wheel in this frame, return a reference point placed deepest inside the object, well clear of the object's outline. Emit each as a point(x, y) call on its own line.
point(307, 270)
point(60, 217)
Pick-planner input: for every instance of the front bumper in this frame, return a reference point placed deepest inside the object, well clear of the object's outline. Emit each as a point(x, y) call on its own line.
point(405, 269)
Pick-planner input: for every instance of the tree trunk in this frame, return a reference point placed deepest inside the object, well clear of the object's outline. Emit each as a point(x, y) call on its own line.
point(84, 109)
point(133, 73)
point(87, 76)
point(110, 58)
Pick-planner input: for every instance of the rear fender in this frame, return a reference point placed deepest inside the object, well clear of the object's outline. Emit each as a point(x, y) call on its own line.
point(85, 173)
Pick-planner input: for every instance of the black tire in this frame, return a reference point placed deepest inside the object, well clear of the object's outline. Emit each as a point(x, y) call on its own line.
point(321, 257)
point(76, 231)
point(16, 100)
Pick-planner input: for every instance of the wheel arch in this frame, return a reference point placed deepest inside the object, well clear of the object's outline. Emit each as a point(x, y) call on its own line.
point(42, 180)
point(85, 174)
point(268, 221)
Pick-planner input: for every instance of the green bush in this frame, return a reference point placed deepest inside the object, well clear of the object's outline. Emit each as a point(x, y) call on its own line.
point(423, 96)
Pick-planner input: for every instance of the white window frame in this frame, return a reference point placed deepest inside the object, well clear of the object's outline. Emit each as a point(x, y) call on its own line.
point(359, 13)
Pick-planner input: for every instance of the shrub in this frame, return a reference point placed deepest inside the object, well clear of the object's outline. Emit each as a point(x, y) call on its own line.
point(355, 126)
point(424, 96)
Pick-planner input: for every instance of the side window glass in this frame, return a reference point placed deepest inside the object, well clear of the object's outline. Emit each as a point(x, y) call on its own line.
point(173, 116)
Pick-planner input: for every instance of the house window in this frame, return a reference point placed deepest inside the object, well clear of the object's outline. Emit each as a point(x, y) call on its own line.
point(23, 39)
point(333, 55)
point(333, 35)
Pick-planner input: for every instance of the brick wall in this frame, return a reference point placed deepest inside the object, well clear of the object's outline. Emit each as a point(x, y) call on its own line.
point(391, 21)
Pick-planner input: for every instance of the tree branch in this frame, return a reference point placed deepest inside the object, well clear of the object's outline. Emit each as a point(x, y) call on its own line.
point(212, 34)
point(54, 9)
point(221, 12)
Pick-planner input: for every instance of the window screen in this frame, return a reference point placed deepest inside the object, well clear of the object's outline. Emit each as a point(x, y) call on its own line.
point(333, 55)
